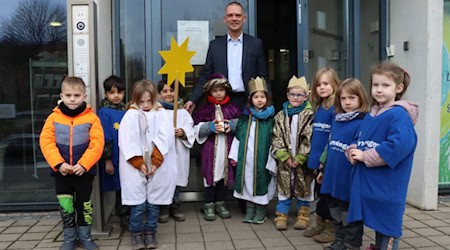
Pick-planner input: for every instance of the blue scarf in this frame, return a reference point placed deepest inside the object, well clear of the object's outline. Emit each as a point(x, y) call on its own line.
point(290, 111)
point(264, 114)
point(169, 105)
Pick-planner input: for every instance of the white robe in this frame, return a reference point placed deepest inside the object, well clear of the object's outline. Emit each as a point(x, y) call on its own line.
point(247, 188)
point(182, 147)
point(159, 188)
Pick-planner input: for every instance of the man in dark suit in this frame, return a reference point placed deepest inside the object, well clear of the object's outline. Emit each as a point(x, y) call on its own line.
point(237, 56)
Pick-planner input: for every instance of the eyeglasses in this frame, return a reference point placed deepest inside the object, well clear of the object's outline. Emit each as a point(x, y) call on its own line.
point(292, 95)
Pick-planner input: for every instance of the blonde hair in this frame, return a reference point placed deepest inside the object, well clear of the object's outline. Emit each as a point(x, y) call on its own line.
point(396, 73)
point(140, 88)
point(332, 76)
point(73, 82)
point(352, 86)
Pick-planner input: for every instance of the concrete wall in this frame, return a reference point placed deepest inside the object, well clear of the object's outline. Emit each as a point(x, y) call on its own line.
point(420, 23)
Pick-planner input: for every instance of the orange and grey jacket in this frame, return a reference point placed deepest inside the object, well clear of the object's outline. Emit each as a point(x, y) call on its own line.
point(72, 140)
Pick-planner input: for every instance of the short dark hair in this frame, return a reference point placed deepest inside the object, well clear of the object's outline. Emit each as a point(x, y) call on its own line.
point(235, 3)
point(161, 84)
point(113, 81)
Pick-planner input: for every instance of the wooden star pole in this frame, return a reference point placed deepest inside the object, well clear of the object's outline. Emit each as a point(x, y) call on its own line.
point(177, 64)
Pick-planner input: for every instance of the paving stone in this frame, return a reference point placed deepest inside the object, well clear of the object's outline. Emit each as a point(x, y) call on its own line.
point(162, 245)
point(269, 234)
point(6, 223)
point(39, 229)
point(9, 237)
point(107, 242)
point(269, 243)
point(197, 237)
point(431, 248)
point(16, 230)
point(282, 248)
point(420, 242)
point(191, 246)
point(20, 223)
point(435, 223)
point(219, 245)
point(428, 231)
point(250, 243)
point(301, 240)
point(24, 244)
point(6, 244)
point(442, 240)
point(166, 230)
point(33, 236)
point(167, 238)
point(240, 235)
point(213, 228)
point(309, 247)
point(445, 230)
point(238, 226)
point(48, 222)
point(421, 216)
point(187, 230)
point(407, 233)
point(216, 236)
point(413, 224)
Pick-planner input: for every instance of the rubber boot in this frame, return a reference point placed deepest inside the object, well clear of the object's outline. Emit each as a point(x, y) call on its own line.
point(70, 238)
point(281, 221)
point(249, 213)
point(137, 241)
point(317, 229)
point(84, 235)
point(260, 215)
point(221, 210)
point(328, 233)
point(163, 214)
point(208, 212)
point(175, 212)
point(302, 218)
point(150, 240)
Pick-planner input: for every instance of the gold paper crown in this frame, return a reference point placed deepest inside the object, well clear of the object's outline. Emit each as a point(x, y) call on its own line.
point(258, 84)
point(298, 83)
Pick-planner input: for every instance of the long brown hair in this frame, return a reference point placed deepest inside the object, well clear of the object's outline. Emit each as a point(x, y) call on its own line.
point(398, 74)
point(352, 86)
point(332, 76)
point(139, 88)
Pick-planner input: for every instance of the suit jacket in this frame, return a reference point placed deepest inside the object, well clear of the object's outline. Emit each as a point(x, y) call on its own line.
point(253, 63)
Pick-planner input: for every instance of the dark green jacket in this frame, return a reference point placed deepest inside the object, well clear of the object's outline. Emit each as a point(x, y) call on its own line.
point(262, 143)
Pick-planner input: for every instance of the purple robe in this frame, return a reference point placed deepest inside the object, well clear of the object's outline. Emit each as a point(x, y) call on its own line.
point(206, 113)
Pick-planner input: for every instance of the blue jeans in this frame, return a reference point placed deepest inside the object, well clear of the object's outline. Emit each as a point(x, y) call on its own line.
point(382, 241)
point(284, 206)
point(137, 217)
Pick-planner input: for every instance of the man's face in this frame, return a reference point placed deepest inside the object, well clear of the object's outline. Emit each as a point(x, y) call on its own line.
point(234, 18)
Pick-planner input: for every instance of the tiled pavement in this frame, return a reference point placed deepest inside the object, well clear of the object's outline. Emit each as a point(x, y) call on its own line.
point(422, 230)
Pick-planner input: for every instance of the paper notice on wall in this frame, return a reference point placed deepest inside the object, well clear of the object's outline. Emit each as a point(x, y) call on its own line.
point(198, 33)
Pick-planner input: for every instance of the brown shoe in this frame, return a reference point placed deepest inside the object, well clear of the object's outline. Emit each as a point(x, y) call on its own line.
point(327, 235)
point(281, 221)
point(175, 212)
point(163, 214)
point(302, 218)
point(317, 229)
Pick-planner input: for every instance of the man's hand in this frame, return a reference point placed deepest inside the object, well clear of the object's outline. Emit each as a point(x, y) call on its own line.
point(179, 132)
point(189, 106)
point(109, 167)
point(78, 170)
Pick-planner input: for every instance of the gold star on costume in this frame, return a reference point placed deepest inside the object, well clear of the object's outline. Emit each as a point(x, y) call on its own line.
point(116, 126)
point(177, 62)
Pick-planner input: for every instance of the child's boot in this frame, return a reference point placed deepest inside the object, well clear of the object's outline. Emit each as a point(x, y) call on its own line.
point(221, 210)
point(281, 221)
point(260, 215)
point(137, 241)
point(249, 212)
point(175, 212)
point(150, 240)
point(328, 234)
point(302, 218)
point(70, 238)
point(317, 229)
point(208, 212)
point(84, 235)
point(163, 214)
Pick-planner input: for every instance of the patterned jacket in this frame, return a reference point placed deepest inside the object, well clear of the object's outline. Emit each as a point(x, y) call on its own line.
point(72, 140)
point(303, 176)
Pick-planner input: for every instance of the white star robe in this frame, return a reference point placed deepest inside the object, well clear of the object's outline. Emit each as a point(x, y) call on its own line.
point(159, 188)
point(183, 146)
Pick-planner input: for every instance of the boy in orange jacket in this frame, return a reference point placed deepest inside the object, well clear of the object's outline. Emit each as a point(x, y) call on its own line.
point(72, 142)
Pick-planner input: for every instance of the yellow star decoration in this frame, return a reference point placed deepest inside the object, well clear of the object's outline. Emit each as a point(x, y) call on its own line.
point(116, 126)
point(177, 61)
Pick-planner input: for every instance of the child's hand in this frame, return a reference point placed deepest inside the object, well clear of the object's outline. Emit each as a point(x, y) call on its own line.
point(109, 167)
point(78, 170)
point(143, 169)
point(220, 126)
point(319, 178)
point(233, 163)
point(291, 163)
point(179, 132)
point(356, 155)
point(227, 126)
point(320, 166)
point(152, 170)
point(65, 168)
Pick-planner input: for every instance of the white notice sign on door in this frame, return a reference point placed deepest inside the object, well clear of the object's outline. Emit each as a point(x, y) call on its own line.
point(198, 33)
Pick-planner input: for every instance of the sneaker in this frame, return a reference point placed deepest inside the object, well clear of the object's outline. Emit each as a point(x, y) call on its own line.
point(249, 213)
point(221, 210)
point(150, 240)
point(317, 229)
point(137, 241)
point(328, 233)
point(281, 221)
point(302, 218)
point(260, 215)
point(208, 212)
